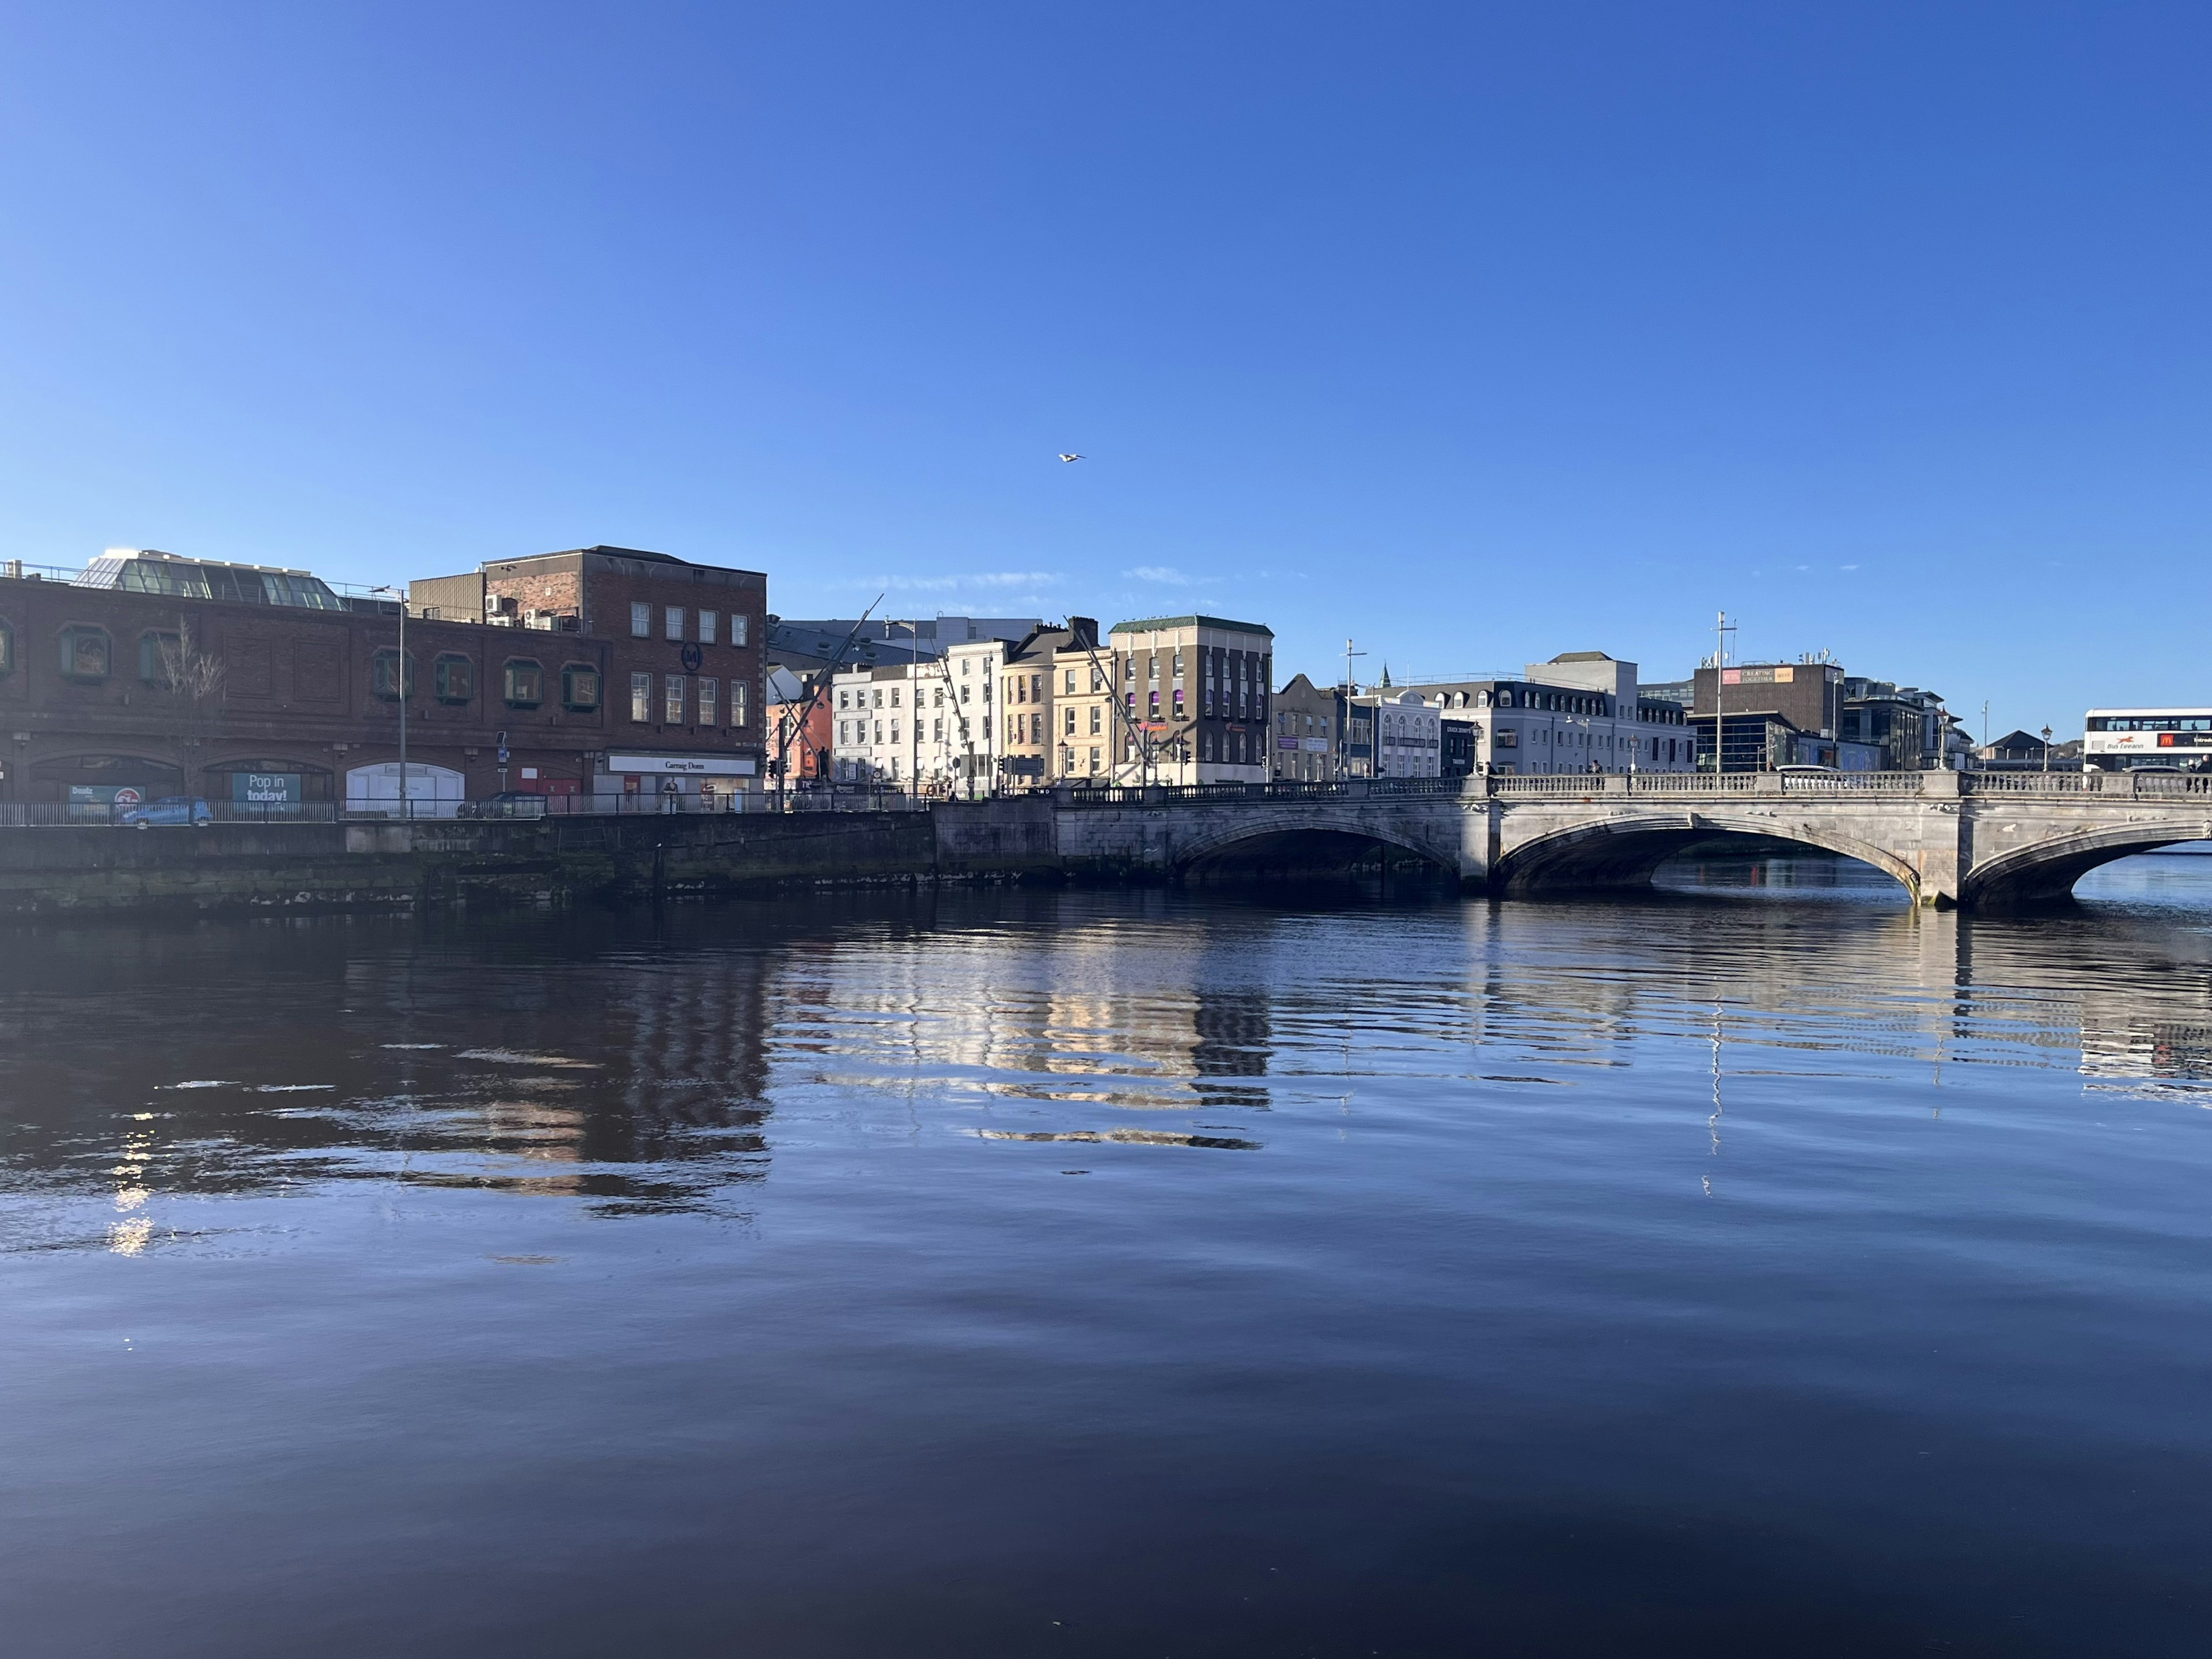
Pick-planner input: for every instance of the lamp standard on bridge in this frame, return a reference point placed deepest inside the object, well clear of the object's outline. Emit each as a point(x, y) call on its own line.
point(2047, 748)
point(1344, 719)
point(1721, 629)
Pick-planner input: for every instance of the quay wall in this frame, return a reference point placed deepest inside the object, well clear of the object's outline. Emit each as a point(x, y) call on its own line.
point(263, 869)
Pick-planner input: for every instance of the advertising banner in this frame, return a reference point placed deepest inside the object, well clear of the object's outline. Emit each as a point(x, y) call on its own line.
point(266, 788)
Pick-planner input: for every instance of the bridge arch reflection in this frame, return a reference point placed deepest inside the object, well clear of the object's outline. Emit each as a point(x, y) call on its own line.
point(1272, 852)
point(1626, 852)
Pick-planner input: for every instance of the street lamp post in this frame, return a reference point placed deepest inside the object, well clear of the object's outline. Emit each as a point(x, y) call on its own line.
point(2047, 748)
point(400, 681)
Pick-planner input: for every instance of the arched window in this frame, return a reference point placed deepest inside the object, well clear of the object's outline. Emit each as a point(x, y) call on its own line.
point(87, 653)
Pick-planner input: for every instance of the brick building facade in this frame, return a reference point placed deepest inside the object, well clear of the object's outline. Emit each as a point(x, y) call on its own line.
point(150, 687)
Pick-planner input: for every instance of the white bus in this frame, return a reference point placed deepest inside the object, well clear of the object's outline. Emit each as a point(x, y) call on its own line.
point(2130, 739)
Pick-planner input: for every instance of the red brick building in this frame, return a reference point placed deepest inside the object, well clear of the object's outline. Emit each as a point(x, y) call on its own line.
point(150, 675)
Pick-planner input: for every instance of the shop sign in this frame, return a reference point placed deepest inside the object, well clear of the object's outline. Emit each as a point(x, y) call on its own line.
point(266, 788)
point(712, 766)
point(1783, 676)
point(104, 794)
point(1316, 746)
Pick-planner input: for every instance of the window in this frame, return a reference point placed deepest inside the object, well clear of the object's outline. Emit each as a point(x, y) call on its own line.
point(1095, 713)
point(85, 653)
point(454, 679)
point(1036, 687)
point(1071, 681)
point(708, 701)
point(879, 696)
point(580, 687)
point(1071, 723)
point(894, 735)
point(383, 675)
point(526, 683)
point(740, 628)
point(738, 703)
point(709, 624)
point(895, 691)
point(672, 700)
point(674, 622)
point(7, 649)
point(937, 730)
point(641, 698)
point(641, 621)
point(158, 652)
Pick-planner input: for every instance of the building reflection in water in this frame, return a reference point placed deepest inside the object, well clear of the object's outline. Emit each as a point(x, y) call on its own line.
point(632, 1064)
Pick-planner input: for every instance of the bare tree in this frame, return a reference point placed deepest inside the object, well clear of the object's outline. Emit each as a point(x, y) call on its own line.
point(192, 679)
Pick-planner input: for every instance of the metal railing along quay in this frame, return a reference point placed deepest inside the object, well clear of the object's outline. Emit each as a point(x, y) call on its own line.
point(1586, 786)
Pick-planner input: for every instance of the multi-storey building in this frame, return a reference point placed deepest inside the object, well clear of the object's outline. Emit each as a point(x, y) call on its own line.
point(935, 726)
point(1092, 726)
point(1033, 713)
point(1580, 712)
point(1306, 742)
point(150, 675)
point(799, 725)
point(686, 673)
point(1407, 737)
point(1195, 692)
point(1905, 728)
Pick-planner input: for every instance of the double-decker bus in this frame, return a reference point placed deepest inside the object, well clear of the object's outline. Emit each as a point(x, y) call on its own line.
point(2128, 739)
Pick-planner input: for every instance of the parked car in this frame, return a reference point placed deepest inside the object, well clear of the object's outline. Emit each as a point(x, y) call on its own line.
point(170, 809)
point(507, 804)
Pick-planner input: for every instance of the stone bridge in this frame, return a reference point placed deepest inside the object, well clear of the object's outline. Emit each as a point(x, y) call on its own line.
point(1975, 841)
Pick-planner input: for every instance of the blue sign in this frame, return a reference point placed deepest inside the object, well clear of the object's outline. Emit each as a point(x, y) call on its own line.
point(265, 788)
point(502, 757)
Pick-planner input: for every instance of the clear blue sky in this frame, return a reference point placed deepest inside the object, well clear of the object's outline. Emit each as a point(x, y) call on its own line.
point(1478, 334)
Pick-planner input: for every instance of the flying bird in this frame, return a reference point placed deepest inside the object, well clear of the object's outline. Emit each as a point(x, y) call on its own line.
point(1071, 458)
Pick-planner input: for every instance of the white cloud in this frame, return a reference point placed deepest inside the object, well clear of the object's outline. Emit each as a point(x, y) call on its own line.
point(1847, 566)
point(974, 583)
point(1167, 577)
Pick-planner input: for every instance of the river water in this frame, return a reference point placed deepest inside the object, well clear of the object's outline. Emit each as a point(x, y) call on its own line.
point(1762, 1269)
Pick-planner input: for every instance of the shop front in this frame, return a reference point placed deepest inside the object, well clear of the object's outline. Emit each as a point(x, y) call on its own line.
point(681, 779)
point(94, 787)
point(432, 792)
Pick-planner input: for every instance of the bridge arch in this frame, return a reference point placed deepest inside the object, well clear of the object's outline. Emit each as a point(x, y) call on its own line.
point(1304, 843)
point(1625, 852)
point(2044, 872)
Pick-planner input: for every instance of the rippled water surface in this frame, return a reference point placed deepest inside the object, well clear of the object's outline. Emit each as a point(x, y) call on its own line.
point(1774, 1270)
